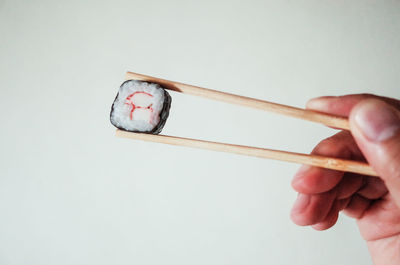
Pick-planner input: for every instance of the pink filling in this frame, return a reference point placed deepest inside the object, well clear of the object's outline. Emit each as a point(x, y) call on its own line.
point(141, 102)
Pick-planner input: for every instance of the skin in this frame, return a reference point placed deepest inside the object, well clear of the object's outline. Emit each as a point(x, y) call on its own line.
point(373, 202)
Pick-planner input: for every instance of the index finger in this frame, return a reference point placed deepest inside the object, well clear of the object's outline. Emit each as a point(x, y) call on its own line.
point(342, 105)
point(312, 180)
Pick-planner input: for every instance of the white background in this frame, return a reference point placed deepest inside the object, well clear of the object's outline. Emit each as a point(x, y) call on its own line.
point(72, 193)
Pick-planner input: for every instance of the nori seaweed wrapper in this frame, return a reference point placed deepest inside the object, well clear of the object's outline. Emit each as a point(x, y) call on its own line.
point(164, 113)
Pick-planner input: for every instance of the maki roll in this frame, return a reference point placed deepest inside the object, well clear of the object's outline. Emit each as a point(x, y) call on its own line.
point(140, 107)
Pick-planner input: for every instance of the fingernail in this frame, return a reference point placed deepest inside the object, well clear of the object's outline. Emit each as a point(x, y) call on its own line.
point(319, 103)
point(299, 174)
point(302, 169)
point(301, 202)
point(377, 121)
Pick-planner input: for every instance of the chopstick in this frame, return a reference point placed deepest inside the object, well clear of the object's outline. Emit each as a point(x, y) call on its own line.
point(312, 160)
point(323, 118)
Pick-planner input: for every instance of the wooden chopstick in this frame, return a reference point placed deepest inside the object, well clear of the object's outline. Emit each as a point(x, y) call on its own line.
point(326, 119)
point(313, 160)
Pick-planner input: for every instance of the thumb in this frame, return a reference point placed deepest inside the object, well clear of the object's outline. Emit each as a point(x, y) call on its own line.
point(375, 126)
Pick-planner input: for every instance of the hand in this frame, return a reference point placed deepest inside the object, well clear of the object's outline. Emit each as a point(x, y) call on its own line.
point(373, 202)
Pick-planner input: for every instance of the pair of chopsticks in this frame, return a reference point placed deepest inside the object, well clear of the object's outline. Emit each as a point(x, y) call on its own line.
point(313, 160)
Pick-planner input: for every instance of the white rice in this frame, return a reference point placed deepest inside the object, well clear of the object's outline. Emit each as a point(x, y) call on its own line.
point(120, 115)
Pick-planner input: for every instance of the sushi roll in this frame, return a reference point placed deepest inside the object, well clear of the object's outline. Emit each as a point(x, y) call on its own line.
point(140, 107)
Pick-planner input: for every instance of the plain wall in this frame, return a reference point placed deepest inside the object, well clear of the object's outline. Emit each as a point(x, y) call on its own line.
point(73, 193)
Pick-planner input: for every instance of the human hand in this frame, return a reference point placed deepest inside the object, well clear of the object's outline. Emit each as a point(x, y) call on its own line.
point(373, 202)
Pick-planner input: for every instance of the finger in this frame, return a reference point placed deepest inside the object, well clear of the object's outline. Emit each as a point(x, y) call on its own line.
point(344, 203)
point(357, 206)
point(329, 221)
point(312, 180)
point(375, 126)
point(373, 188)
point(350, 184)
point(342, 105)
point(332, 217)
point(312, 209)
